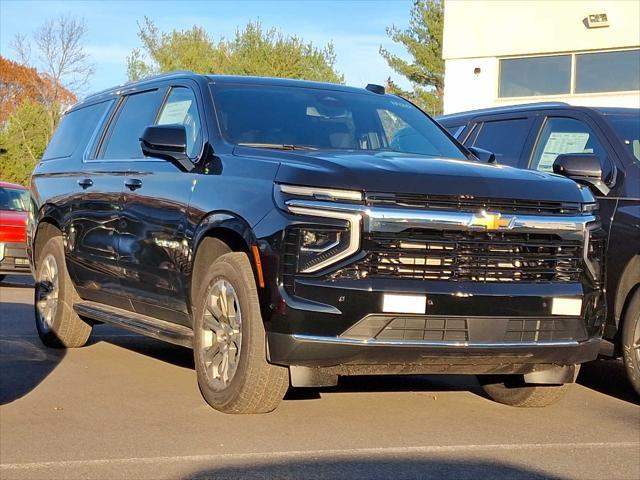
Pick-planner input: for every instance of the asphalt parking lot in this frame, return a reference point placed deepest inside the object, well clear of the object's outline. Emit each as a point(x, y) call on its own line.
point(128, 407)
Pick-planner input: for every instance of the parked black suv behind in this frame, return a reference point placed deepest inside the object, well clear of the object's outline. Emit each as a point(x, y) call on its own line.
point(598, 147)
point(293, 232)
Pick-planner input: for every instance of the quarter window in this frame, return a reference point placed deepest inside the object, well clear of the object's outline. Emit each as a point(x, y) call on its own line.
point(137, 113)
point(505, 138)
point(75, 130)
point(565, 135)
point(181, 109)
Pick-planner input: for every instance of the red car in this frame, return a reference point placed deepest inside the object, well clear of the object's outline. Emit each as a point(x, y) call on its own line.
point(14, 202)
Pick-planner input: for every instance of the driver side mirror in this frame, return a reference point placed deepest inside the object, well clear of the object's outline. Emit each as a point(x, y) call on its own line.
point(583, 168)
point(168, 142)
point(482, 154)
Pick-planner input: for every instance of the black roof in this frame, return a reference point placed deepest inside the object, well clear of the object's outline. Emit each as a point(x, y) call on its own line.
point(238, 79)
point(527, 107)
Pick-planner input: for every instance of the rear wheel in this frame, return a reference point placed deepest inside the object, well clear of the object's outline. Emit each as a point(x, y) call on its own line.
point(57, 322)
point(631, 341)
point(229, 341)
point(511, 390)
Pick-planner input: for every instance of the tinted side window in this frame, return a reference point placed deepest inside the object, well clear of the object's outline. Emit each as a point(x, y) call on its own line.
point(138, 112)
point(75, 130)
point(455, 130)
point(505, 138)
point(181, 109)
point(565, 135)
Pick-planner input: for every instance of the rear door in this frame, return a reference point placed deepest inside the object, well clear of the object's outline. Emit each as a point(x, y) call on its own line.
point(507, 136)
point(94, 205)
point(154, 250)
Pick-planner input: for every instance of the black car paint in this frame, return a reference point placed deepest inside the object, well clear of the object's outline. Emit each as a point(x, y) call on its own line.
point(619, 209)
point(132, 233)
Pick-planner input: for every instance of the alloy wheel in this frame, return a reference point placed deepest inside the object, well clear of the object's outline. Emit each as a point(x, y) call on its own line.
point(221, 334)
point(47, 288)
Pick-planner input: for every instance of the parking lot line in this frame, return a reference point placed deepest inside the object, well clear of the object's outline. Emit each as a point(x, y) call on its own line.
point(317, 454)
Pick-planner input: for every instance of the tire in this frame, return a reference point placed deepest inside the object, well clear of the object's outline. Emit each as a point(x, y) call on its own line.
point(511, 390)
point(57, 323)
point(245, 382)
point(631, 341)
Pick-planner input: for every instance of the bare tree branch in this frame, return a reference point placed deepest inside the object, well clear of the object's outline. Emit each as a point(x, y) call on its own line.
point(60, 54)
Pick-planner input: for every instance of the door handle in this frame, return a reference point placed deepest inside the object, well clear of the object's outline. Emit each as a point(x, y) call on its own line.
point(85, 183)
point(133, 183)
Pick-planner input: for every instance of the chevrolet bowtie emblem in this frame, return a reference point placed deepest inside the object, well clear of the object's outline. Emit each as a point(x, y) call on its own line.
point(490, 221)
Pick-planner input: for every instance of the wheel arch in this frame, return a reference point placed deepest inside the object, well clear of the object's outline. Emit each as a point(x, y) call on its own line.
point(628, 284)
point(47, 222)
point(227, 227)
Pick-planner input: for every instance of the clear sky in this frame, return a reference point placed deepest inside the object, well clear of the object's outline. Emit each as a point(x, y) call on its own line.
point(356, 28)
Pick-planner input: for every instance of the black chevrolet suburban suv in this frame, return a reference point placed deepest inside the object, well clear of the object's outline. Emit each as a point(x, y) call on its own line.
point(291, 232)
point(598, 147)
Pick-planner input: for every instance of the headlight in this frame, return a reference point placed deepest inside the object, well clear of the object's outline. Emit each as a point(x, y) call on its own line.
point(590, 207)
point(318, 246)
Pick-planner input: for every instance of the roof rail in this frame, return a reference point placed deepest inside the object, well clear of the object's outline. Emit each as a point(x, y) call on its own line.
point(142, 80)
point(503, 108)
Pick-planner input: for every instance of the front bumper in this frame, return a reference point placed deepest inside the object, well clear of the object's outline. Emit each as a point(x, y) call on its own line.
point(469, 327)
point(14, 259)
point(348, 357)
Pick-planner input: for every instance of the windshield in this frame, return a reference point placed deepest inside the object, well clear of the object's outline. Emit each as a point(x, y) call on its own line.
point(628, 129)
point(14, 199)
point(309, 118)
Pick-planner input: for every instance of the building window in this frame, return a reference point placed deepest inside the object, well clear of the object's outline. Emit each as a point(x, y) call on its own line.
point(533, 76)
point(608, 71)
point(594, 72)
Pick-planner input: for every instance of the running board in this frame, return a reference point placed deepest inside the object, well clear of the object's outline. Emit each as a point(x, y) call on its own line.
point(135, 322)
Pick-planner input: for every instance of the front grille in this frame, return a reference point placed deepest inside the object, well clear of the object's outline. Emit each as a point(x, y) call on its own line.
point(469, 256)
point(438, 328)
point(472, 204)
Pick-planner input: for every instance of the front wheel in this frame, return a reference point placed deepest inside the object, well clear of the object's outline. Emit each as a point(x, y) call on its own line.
point(57, 322)
point(229, 341)
point(511, 390)
point(631, 341)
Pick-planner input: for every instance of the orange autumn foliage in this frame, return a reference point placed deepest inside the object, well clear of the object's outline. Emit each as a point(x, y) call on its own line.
point(19, 82)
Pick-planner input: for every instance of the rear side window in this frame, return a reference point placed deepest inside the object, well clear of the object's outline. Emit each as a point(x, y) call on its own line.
point(138, 112)
point(75, 130)
point(455, 130)
point(505, 138)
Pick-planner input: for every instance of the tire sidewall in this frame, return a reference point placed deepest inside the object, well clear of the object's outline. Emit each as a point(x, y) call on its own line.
point(631, 318)
point(222, 269)
point(54, 247)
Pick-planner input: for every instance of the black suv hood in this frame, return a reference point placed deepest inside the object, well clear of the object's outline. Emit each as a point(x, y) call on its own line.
point(394, 172)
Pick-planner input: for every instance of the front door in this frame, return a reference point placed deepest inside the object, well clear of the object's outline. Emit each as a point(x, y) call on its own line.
point(153, 248)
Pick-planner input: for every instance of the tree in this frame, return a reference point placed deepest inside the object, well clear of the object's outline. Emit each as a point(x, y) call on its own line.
point(19, 82)
point(253, 51)
point(23, 141)
point(61, 58)
point(423, 42)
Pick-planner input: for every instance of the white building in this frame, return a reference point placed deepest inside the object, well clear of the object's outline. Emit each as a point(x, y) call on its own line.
point(503, 52)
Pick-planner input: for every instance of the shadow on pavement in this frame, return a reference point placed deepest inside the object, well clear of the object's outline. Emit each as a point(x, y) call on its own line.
point(609, 378)
point(387, 467)
point(24, 361)
point(166, 352)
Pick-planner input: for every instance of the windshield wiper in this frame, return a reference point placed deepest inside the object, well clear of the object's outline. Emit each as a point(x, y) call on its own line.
point(278, 146)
